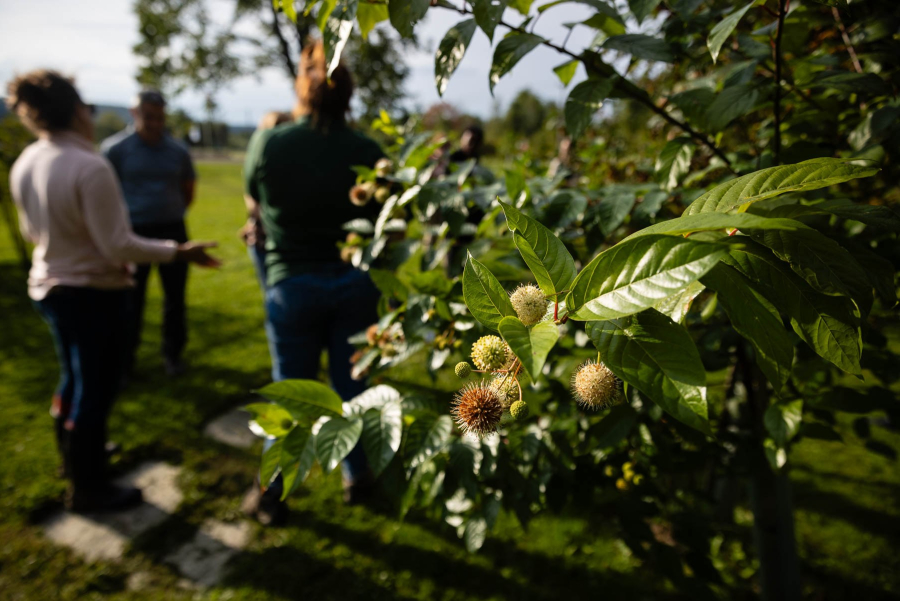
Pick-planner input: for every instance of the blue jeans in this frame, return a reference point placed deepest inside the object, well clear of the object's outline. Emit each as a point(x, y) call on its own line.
point(90, 332)
point(319, 311)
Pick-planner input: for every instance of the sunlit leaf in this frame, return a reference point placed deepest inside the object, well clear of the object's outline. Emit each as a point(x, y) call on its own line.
point(510, 51)
point(530, 345)
point(451, 52)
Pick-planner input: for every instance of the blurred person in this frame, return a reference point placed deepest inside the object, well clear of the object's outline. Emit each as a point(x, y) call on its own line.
point(562, 164)
point(158, 179)
point(252, 233)
point(471, 145)
point(71, 208)
point(300, 175)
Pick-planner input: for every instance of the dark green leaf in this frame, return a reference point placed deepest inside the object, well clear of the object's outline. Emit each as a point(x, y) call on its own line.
point(295, 473)
point(510, 51)
point(757, 320)
point(451, 52)
point(487, 14)
point(819, 432)
point(531, 346)
point(825, 323)
point(269, 463)
point(641, 46)
point(406, 13)
point(875, 215)
point(723, 29)
point(551, 263)
point(614, 427)
point(335, 439)
point(849, 82)
point(389, 284)
point(694, 104)
point(426, 437)
point(641, 9)
point(483, 294)
point(600, 5)
point(337, 31)
point(583, 102)
point(706, 222)
point(613, 209)
point(774, 181)
point(636, 274)
point(658, 357)
point(381, 435)
point(730, 104)
point(304, 399)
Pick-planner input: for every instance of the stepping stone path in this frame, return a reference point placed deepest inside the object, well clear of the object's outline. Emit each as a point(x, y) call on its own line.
point(201, 560)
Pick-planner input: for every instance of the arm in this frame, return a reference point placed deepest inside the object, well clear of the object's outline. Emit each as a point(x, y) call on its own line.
point(106, 219)
point(189, 180)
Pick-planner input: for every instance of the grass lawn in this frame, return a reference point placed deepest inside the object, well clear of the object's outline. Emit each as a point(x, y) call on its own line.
point(848, 518)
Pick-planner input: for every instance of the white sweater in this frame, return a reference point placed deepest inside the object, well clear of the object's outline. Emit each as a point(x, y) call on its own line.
point(71, 208)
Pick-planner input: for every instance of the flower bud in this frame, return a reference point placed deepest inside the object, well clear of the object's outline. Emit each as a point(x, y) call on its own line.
point(519, 410)
point(347, 254)
point(463, 369)
point(595, 386)
point(354, 239)
point(507, 388)
point(529, 303)
point(382, 193)
point(362, 193)
point(490, 353)
point(384, 167)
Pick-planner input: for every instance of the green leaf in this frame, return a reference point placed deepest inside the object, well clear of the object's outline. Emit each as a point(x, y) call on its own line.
point(369, 14)
point(484, 296)
point(819, 432)
point(850, 82)
point(636, 274)
point(822, 262)
point(583, 102)
point(723, 29)
point(774, 181)
point(673, 162)
point(756, 319)
point(337, 31)
point(305, 400)
point(566, 71)
point(295, 473)
point(548, 259)
point(706, 222)
point(874, 215)
point(287, 7)
point(658, 357)
point(641, 9)
point(389, 284)
point(269, 463)
point(676, 307)
point(782, 420)
point(405, 14)
point(603, 22)
point(600, 5)
point(614, 427)
point(451, 51)
point(523, 6)
point(531, 346)
point(515, 184)
point(426, 437)
point(730, 104)
point(474, 534)
point(694, 104)
point(335, 439)
point(487, 15)
point(824, 322)
point(641, 46)
point(273, 419)
point(382, 428)
point(293, 444)
point(510, 51)
point(613, 209)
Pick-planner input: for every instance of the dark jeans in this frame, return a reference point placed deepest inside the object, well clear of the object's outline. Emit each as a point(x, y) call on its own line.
point(174, 281)
point(88, 327)
point(319, 311)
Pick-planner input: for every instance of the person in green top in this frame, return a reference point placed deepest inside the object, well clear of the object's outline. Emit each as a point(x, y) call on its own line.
point(299, 176)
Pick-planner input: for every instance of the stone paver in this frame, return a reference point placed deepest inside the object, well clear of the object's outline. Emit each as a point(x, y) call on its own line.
point(231, 429)
point(203, 558)
point(105, 536)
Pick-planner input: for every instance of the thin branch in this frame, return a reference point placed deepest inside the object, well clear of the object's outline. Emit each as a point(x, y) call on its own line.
point(782, 11)
point(850, 50)
point(283, 44)
point(626, 89)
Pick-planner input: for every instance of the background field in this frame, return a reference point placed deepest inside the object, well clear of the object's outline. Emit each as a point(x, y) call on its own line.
point(848, 518)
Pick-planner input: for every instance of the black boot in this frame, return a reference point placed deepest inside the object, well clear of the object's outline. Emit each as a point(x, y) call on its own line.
point(103, 499)
point(91, 491)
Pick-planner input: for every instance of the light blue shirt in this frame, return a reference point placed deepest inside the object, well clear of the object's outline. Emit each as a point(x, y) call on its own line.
point(152, 177)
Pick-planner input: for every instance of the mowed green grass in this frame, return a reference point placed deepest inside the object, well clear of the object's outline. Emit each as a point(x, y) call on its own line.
point(848, 521)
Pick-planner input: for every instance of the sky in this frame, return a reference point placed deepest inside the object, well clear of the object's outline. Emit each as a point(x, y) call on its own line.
point(92, 39)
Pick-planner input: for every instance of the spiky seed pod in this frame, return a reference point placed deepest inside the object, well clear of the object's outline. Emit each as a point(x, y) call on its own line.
point(490, 353)
point(384, 167)
point(595, 386)
point(477, 409)
point(519, 410)
point(529, 303)
point(507, 388)
point(362, 193)
point(463, 369)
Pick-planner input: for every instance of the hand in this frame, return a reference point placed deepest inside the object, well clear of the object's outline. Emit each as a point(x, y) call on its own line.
point(195, 252)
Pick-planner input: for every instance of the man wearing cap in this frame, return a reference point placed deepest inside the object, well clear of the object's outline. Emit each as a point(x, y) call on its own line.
point(157, 178)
